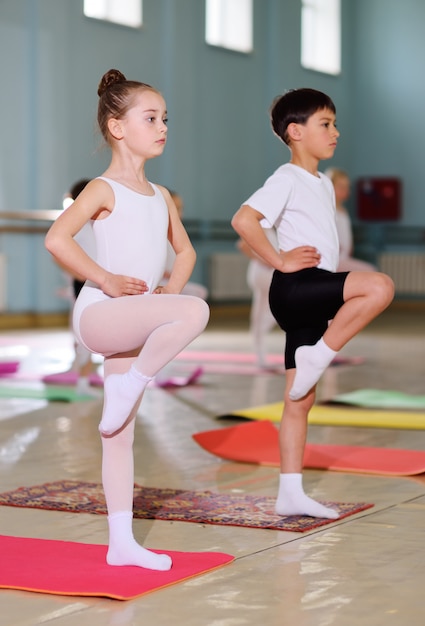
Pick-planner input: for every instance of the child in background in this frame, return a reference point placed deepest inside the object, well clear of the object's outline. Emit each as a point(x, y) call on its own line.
point(122, 312)
point(83, 361)
point(259, 276)
point(347, 262)
point(319, 309)
point(191, 288)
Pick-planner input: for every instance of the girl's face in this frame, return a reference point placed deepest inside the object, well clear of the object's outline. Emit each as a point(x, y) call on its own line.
point(144, 127)
point(342, 189)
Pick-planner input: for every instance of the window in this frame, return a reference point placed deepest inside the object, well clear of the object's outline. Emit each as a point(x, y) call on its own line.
point(228, 23)
point(321, 35)
point(126, 12)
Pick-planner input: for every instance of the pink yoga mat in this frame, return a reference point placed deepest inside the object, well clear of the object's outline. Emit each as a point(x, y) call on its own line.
point(79, 569)
point(71, 378)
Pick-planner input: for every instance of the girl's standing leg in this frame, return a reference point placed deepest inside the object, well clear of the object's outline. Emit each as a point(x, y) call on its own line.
point(143, 332)
point(118, 485)
point(291, 499)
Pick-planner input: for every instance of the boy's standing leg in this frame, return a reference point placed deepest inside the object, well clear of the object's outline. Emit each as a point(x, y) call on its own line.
point(291, 499)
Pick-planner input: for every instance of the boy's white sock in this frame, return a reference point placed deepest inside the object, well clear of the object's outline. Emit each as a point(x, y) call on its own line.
point(310, 362)
point(292, 500)
point(124, 549)
point(121, 391)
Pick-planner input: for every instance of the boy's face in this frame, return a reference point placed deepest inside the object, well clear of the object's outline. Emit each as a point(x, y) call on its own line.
point(319, 134)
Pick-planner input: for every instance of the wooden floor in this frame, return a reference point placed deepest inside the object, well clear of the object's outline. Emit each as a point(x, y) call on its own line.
point(368, 569)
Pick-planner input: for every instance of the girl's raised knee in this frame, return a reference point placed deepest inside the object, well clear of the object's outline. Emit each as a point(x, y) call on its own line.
point(200, 311)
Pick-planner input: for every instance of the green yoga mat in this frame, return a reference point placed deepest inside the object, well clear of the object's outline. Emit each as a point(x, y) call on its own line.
point(52, 393)
point(380, 399)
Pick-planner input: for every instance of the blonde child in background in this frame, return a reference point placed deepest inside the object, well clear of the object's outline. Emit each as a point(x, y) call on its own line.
point(259, 276)
point(342, 187)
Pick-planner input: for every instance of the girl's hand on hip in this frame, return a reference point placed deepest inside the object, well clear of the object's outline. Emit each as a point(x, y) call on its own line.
point(117, 285)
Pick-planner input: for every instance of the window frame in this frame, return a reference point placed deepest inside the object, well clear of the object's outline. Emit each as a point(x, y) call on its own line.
point(108, 12)
point(320, 29)
point(219, 18)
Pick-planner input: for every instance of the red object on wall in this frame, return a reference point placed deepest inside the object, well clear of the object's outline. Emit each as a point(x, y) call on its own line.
point(379, 199)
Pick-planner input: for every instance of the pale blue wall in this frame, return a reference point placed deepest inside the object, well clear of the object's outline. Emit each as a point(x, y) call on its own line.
point(388, 96)
point(220, 145)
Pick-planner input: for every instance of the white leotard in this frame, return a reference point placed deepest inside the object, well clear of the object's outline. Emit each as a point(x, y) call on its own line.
point(131, 241)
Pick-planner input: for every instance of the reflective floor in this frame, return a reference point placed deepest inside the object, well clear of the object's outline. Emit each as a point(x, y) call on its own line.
point(365, 569)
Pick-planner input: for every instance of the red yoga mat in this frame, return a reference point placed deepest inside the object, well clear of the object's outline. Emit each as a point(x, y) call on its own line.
point(257, 442)
point(79, 569)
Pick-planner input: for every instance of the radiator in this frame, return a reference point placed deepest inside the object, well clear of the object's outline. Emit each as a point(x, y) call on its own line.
point(227, 277)
point(406, 270)
point(3, 282)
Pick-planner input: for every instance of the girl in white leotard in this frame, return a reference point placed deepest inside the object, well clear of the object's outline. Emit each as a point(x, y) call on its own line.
point(121, 311)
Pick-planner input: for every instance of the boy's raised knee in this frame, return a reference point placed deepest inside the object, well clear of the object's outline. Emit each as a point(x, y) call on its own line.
point(384, 288)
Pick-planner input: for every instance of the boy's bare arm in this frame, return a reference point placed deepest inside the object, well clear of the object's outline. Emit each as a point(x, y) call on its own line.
point(246, 223)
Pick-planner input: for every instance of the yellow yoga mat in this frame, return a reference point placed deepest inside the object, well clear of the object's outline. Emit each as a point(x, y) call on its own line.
point(339, 416)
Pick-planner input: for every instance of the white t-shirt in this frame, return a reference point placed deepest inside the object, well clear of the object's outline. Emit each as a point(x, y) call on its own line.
point(302, 209)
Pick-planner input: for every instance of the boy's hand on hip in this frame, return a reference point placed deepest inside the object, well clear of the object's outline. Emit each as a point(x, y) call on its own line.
point(299, 259)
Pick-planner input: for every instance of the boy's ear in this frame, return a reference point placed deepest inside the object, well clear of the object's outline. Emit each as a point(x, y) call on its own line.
point(115, 128)
point(294, 131)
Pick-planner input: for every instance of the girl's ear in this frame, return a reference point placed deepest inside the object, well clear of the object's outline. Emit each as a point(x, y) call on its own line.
point(115, 128)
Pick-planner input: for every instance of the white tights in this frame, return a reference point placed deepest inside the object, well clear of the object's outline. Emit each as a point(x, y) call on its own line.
point(144, 332)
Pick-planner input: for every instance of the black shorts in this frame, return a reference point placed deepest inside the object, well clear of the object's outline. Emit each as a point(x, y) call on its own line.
point(303, 303)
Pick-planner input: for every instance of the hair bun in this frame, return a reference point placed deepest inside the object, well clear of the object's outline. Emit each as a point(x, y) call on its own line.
point(110, 78)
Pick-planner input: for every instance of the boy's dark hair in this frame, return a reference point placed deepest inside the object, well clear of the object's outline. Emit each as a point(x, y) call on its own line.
point(295, 107)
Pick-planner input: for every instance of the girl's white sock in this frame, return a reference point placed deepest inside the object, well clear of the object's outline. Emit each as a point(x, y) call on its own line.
point(292, 500)
point(121, 392)
point(310, 362)
point(124, 549)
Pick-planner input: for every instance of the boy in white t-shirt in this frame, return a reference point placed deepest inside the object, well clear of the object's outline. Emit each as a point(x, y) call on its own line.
point(306, 292)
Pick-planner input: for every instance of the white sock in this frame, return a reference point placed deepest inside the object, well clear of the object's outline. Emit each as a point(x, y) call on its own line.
point(310, 362)
point(124, 549)
point(121, 391)
point(292, 500)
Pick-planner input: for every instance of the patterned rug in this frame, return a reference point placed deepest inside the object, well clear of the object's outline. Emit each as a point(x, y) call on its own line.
point(201, 507)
